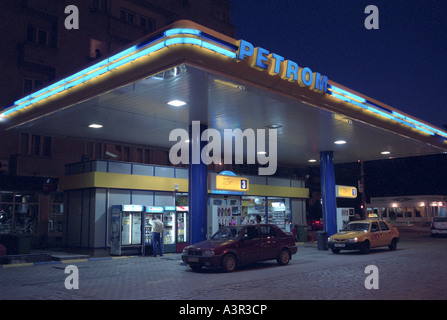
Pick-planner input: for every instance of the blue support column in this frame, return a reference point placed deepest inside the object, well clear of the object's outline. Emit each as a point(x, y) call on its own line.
point(197, 185)
point(328, 192)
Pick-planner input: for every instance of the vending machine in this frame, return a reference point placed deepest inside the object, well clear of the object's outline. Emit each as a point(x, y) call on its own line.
point(149, 214)
point(182, 228)
point(169, 223)
point(126, 229)
point(277, 214)
point(343, 215)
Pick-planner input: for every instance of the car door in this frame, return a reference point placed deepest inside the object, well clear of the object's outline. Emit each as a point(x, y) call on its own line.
point(376, 235)
point(249, 248)
point(386, 235)
point(269, 243)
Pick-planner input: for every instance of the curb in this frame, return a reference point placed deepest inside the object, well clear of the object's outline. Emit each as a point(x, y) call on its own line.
point(67, 261)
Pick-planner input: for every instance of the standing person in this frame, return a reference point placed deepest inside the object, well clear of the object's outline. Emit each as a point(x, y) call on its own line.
point(157, 231)
point(258, 219)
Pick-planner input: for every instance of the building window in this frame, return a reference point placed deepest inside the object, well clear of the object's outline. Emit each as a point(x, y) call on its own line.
point(31, 85)
point(97, 49)
point(101, 5)
point(38, 35)
point(137, 20)
point(35, 145)
point(147, 24)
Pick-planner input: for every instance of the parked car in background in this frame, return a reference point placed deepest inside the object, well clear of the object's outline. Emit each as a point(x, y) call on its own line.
point(363, 235)
point(316, 224)
point(233, 246)
point(438, 226)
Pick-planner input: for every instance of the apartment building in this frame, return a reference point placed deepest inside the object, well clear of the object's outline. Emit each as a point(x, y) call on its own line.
point(38, 49)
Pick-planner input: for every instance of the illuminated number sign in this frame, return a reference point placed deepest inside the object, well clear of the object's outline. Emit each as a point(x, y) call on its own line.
point(231, 183)
point(346, 192)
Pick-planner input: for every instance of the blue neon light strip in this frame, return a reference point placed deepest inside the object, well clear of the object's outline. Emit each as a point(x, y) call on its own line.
point(122, 58)
point(389, 114)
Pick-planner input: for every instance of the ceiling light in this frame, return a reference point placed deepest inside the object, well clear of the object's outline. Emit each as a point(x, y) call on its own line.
point(340, 142)
point(385, 152)
point(312, 160)
point(95, 126)
point(274, 126)
point(262, 152)
point(177, 103)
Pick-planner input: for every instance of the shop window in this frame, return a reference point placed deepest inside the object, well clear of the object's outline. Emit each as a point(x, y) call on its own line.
point(18, 212)
point(55, 218)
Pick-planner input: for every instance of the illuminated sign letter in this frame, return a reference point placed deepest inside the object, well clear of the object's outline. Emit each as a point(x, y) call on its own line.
point(320, 83)
point(275, 66)
point(290, 71)
point(306, 77)
point(246, 49)
point(261, 59)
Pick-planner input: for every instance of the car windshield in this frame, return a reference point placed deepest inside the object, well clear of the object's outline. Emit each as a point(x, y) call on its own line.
point(440, 219)
point(227, 233)
point(357, 227)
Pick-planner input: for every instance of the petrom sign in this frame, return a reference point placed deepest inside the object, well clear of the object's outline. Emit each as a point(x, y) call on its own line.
point(264, 60)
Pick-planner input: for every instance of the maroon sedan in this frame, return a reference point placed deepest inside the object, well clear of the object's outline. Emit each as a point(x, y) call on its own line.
point(232, 246)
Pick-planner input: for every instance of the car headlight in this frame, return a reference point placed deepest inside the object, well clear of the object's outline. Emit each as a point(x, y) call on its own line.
point(208, 253)
point(353, 240)
point(185, 252)
point(330, 239)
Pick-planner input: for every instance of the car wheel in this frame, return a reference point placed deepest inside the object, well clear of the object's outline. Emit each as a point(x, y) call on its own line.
point(229, 263)
point(335, 250)
point(284, 257)
point(365, 247)
point(393, 245)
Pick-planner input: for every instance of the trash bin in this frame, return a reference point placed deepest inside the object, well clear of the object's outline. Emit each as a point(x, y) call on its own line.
point(301, 232)
point(322, 240)
point(16, 243)
point(2, 250)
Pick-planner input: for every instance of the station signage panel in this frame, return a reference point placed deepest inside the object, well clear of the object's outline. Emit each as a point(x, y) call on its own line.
point(345, 192)
point(232, 183)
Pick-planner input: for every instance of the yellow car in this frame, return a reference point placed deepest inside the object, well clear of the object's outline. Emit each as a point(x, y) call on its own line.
point(363, 235)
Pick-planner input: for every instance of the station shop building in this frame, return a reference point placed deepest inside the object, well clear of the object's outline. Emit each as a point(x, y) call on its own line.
point(188, 82)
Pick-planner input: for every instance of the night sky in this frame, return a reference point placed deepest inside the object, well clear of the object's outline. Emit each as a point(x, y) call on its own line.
point(402, 64)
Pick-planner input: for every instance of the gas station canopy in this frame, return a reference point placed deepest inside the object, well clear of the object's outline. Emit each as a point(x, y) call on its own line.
point(224, 84)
